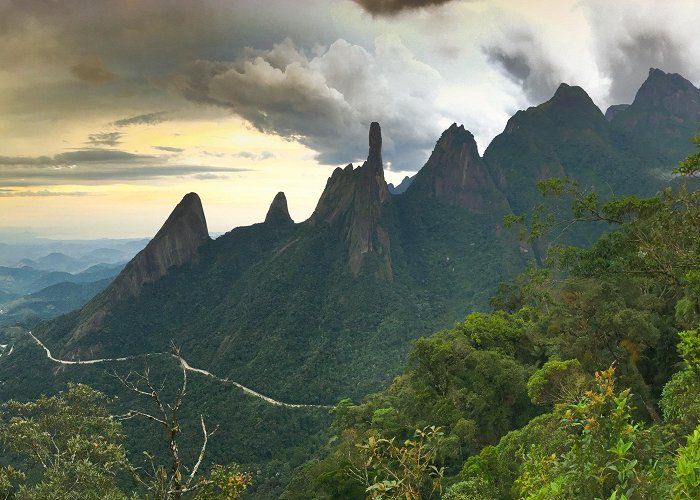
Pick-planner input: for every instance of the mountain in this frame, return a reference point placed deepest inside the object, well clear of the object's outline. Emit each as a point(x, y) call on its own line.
point(175, 244)
point(26, 280)
point(569, 136)
point(278, 213)
point(326, 308)
point(354, 198)
point(341, 294)
point(456, 175)
point(401, 187)
point(48, 303)
point(664, 114)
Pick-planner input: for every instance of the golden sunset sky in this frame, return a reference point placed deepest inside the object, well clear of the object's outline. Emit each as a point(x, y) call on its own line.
point(112, 110)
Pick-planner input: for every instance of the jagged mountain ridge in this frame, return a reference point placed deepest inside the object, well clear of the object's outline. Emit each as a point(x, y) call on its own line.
point(316, 310)
point(326, 308)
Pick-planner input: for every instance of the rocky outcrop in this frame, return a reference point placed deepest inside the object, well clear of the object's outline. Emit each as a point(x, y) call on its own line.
point(456, 175)
point(663, 99)
point(614, 110)
point(175, 244)
point(401, 187)
point(354, 197)
point(278, 213)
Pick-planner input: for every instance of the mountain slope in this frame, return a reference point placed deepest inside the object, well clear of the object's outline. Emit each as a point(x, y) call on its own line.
point(316, 311)
point(664, 114)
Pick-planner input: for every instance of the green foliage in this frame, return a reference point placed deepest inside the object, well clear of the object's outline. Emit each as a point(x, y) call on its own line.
point(691, 164)
point(225, 483)
point(556, 382)
point(69, 442)
point(406, 471)
point(689, 348)
point(687, 471)
point(598, 461)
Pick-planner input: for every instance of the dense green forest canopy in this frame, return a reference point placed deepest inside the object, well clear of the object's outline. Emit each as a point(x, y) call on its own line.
point(582, 383)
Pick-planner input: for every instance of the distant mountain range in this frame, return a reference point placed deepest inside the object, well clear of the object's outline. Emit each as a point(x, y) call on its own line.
point(326, 308)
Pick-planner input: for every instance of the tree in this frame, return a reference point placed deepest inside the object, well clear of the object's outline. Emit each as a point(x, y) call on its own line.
point(174, 481)
point(407, 472)
point(69, 441)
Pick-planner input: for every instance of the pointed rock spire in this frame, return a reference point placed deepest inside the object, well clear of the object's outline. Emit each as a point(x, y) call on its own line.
point(354, 197)
point(278, 213)
point(375, 144)
point(175, 244)
point(455, 174)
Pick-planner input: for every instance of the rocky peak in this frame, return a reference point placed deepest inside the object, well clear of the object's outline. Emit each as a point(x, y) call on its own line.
point(401, 187)
point(670, 92)
point(663, 115)
point(278, 213)
point(569, 108)
point(455, 174)
point(354, 197)
point(572, 98)
point(175, 244)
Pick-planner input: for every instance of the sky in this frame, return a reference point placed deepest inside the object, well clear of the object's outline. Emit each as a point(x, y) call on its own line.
point(112, 110)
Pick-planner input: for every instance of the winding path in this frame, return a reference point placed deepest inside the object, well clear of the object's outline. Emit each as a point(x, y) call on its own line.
point(186, 366)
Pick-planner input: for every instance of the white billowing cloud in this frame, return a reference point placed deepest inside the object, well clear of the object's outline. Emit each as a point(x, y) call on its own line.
point(630, 37)
point(327, 100)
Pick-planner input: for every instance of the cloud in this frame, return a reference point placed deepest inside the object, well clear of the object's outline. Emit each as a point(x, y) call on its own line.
point(73, 157)
point(92, 69)
point(631, 37)
point(105, 139)
point(326, 101)
point(168, 149)
point(520, 57)
point(265, 155)
point(146, 119)
point(93, 166)
point(208, 176)
point(14, 193)
point(99, 156)
point(392, 7)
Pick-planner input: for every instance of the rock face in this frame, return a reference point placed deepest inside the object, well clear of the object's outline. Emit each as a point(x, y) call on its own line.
point(565, 136)
point(176, 243)
point(663, 116)
point(614, 110)
point(278, 213)
point(664, 99)
point(455, 174)
point(401, 187)
point(354, 198)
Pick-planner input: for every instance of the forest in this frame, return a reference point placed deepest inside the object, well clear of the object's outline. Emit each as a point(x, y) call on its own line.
point(581, 382)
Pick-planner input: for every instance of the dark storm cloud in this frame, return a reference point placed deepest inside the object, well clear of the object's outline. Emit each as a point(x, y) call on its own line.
point(92, 69)
point(520, 57)
point(629, 62)
point(327, 101)
point(391, 7)
point(146, 119)
point(105, 139)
